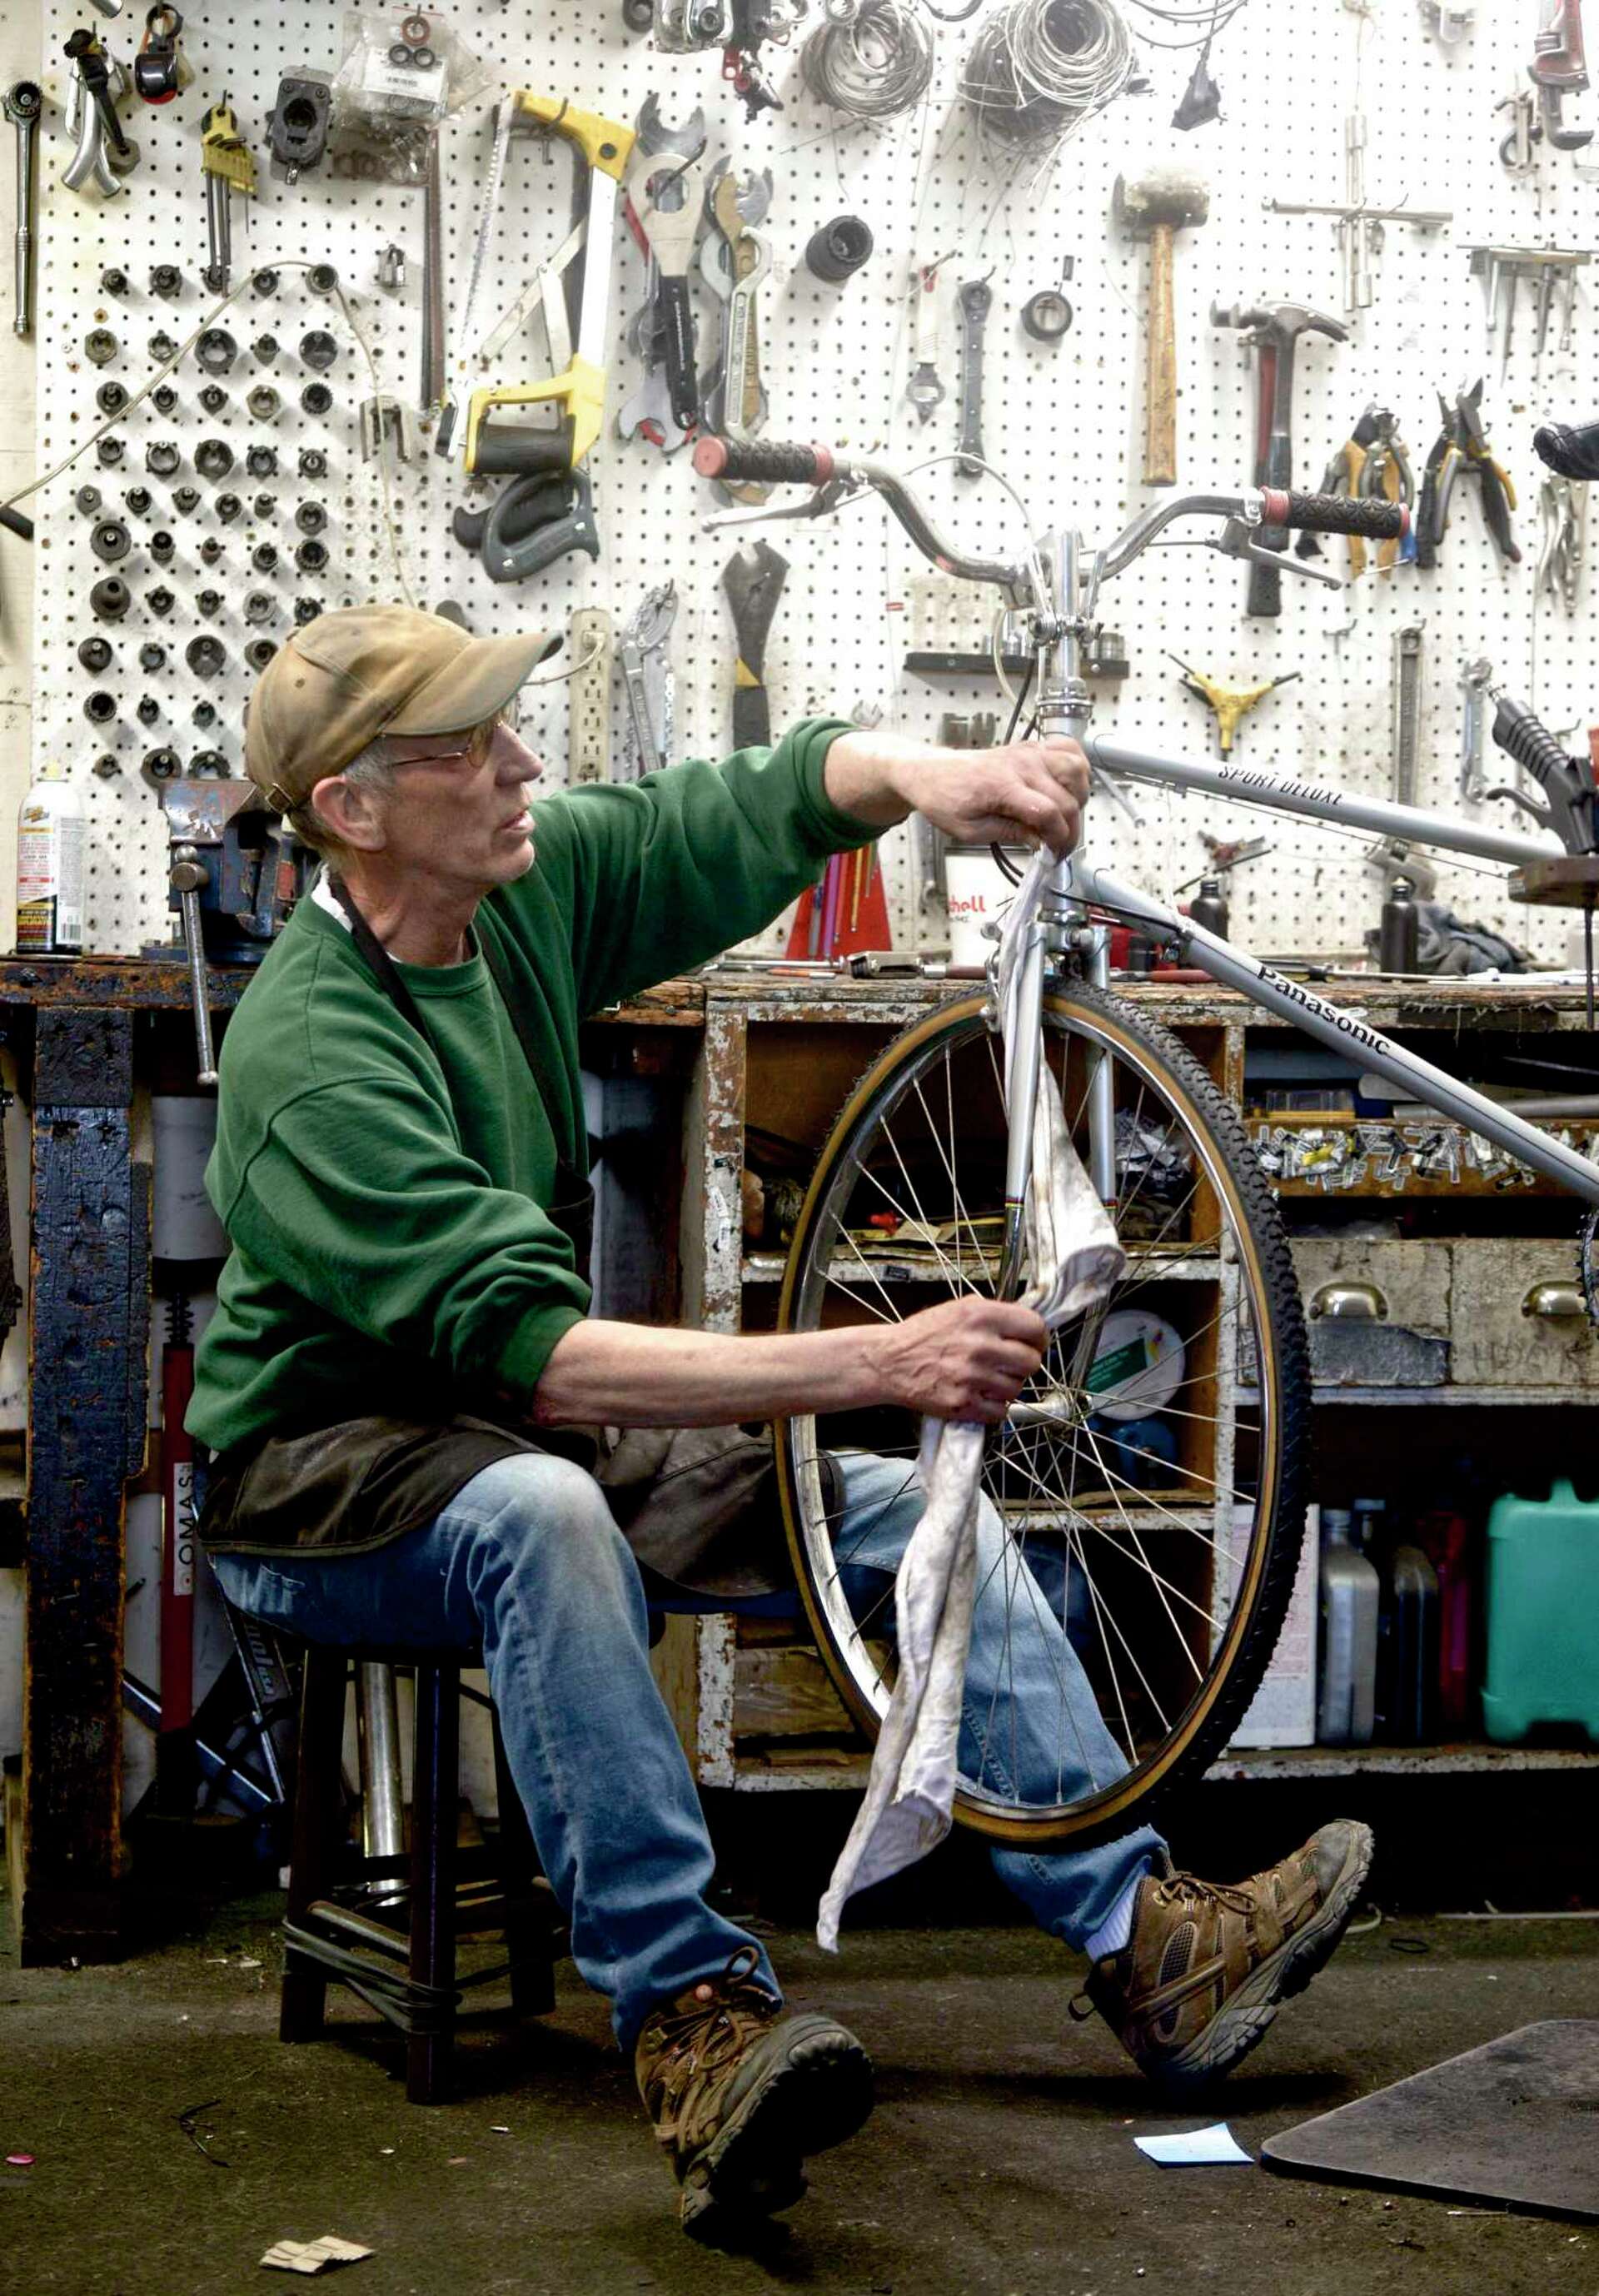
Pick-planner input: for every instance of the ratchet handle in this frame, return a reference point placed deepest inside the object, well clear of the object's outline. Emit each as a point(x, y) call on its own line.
point(763, 459)
point(1370, 517)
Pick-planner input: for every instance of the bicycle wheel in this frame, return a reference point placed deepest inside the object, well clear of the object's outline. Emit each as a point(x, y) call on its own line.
point(1149, 1479)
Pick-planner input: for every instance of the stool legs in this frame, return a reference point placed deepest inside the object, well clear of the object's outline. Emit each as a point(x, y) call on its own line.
point(435, 1792)
point(318, 1825)
point(532, 1975)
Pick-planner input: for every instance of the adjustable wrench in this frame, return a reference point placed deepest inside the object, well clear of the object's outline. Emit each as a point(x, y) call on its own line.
point(976, 300)
point(23, 102)
point(664, 186)
point(644, 630)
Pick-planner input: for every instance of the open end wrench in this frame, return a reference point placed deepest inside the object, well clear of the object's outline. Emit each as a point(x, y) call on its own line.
point(24, 100)
point(740, 406)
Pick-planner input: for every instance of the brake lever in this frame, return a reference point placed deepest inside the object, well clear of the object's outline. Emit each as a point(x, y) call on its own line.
point(1540, 813)
point(1234, 542)
point(820, 503)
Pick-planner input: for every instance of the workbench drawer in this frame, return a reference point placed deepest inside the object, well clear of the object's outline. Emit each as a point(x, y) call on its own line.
point(1377, 1309)
point(1518, 1317)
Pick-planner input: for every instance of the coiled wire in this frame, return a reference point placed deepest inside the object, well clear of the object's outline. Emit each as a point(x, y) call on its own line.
point(1039, 68)
point(877, 63)
point(1192, 23)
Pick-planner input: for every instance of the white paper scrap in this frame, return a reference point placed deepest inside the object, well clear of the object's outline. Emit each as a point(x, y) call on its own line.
point(313, 2255)
point(1197, 2148)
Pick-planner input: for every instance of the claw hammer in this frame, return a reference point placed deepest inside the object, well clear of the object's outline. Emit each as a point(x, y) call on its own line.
point(1273, 331)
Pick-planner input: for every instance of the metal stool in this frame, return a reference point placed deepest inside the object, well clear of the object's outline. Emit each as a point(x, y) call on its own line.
point(385, 1923)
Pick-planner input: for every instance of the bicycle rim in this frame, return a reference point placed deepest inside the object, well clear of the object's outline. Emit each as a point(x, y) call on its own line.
point(1149, 1479)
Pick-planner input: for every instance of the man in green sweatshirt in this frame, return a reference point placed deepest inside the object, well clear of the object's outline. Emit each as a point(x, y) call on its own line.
point(397, 1385)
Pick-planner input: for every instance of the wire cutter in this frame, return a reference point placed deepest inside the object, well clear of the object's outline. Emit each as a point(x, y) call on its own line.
point(1462, 446)
point(1373, 465)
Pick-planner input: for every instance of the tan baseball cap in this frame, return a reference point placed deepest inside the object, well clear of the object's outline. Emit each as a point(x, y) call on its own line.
point(361, 671)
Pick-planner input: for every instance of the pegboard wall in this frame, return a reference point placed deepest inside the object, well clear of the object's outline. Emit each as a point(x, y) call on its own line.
point(1065, 423)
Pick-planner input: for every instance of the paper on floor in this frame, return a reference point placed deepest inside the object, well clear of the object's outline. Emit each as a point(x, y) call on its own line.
point(1197, 2148)
point(313, 2255)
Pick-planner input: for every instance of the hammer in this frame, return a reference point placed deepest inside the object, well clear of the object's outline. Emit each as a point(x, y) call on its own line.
point(1156, 208)
point(1273, 331)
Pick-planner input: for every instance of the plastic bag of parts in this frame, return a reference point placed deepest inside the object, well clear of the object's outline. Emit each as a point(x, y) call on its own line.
point(403, 71)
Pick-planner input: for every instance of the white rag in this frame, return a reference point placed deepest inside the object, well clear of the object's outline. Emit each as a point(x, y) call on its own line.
point(1075, 1259)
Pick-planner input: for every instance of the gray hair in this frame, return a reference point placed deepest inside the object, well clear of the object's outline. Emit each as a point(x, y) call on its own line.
point(371, 768)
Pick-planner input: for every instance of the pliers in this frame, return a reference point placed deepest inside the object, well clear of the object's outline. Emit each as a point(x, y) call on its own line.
point(1462, 444)
point(1562, 507)
point(1373, 465)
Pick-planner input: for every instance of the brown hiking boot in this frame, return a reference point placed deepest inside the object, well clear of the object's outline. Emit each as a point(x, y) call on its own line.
point(1200, 1977)
point(740, 2092)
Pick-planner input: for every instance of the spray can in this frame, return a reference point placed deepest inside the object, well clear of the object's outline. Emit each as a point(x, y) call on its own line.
point(51, 835)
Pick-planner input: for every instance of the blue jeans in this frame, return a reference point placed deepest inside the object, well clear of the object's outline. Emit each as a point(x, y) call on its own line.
point(527, 1560)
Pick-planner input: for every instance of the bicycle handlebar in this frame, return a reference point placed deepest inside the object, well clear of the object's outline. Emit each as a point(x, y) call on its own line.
point(775, 462)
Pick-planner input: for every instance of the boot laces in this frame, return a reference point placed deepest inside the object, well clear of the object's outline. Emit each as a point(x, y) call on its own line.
point(1188, 1890)
point(705, 2038)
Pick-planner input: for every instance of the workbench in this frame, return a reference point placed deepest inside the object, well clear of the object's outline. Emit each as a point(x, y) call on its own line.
point(695, 1068)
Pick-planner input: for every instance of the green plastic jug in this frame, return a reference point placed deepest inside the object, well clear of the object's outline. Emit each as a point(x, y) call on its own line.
point(1543, 1615)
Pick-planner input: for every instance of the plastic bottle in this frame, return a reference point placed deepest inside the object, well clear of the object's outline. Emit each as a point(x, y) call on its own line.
point(1399, 934)
point(1446, 1540)
point(1349, 1636)
point(1407, 1655)
point(51, 835)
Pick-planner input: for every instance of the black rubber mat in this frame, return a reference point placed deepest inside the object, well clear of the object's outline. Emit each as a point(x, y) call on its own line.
point(1515, 2122)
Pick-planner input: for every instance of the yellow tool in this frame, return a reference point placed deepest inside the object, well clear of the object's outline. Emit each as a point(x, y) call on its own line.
point(1230, 702)
point(578, 389)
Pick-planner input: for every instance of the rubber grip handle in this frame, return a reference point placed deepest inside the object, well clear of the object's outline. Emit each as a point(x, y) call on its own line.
point(763, 459)
point(1523, 737)
point(1374, 520)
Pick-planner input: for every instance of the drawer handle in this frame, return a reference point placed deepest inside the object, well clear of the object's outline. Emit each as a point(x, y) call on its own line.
point(1557, 1303)
point(1352, 1303)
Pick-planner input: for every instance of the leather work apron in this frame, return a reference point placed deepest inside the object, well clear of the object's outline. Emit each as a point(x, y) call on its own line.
point(698, 1506)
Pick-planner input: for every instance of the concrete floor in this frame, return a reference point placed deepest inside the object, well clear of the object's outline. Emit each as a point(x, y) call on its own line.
point(1000, 2158)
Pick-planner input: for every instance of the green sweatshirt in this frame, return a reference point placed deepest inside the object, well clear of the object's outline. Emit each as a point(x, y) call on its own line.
point(382, 1197)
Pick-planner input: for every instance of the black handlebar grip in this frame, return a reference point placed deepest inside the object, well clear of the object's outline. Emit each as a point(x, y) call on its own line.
point(1570, 449)
point(763, 460)
point(14, 522)
point(1373, 520)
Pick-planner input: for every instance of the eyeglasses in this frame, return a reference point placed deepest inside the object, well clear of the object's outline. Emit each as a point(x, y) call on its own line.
point(478, 743)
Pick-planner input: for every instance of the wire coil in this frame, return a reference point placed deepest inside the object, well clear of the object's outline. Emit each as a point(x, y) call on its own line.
point(874, 65)
point(1039, 68)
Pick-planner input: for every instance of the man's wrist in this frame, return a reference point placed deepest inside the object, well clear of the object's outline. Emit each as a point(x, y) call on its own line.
point(873, 777)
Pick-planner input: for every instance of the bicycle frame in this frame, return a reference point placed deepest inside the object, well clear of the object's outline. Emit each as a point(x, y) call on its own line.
point(1079, 891)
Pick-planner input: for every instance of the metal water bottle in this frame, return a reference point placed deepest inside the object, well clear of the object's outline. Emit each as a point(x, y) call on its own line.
point(1400, 932)
point(1209, 907)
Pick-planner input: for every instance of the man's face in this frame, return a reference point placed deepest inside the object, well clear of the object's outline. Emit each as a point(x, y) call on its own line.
point(458, 811)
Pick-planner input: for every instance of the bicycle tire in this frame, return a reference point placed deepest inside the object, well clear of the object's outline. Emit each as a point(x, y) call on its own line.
point(1104, 1021)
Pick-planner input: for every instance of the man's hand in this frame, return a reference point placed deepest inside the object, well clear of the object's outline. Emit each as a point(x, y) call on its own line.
point(966, 1358)
point(1018, 790)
